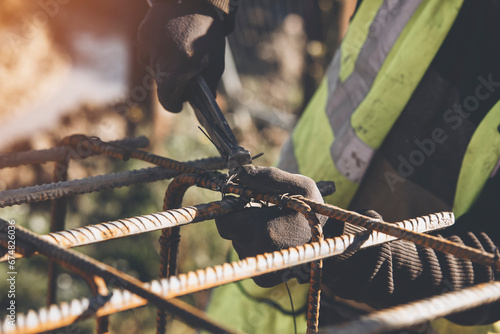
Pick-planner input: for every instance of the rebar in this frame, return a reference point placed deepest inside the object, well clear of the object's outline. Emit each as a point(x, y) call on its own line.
point(86, 265)
point(169, 243)
point(96, 183)
point(140, 224)
point(420, 311)
point(59, 152)
point(66, 313)
point(210, 277)
point(57, 223)
point(124, 153)
point(436, 243)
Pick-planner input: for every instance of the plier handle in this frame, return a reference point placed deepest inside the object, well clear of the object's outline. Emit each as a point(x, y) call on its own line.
point(211, 118)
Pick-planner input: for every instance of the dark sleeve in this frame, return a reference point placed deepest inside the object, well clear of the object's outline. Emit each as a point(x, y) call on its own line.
point(399, 272)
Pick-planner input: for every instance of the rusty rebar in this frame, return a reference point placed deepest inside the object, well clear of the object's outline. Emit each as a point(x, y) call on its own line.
point(140, 224)
point(81, 263)
point(418, 312)
point(96, 183)
point(57, 222)
point(316, 271)
point(59, 152)
point(65, 314)
point(99, 290)
point(124, 153)
point(436, 243)
point(210, 277)
point(169, 243)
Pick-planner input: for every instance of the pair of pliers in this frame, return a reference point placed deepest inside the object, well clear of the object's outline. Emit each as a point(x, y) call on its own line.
point(211, 118)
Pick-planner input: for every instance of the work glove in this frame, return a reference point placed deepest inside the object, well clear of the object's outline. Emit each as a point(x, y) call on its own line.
point(178, 41)
point(390, 274)
point(259, 230)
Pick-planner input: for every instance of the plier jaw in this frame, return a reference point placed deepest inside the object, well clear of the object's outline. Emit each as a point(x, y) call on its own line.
point(211, 118)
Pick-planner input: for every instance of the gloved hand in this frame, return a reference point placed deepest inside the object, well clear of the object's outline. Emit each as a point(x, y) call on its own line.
point(178, 41)
point(259, 230)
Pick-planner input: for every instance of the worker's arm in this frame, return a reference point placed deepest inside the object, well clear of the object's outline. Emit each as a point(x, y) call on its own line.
point(390, 274)
point(179, 39)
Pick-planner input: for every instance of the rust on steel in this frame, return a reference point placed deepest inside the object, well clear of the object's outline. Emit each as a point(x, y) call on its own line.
point(85, 265)
point(55, 190)
point(436, 243)
point(57, 222)
point(66, 313)
point(124, 153)
point(169, 243)
point(269, 262)
point(418, 312)
point(60, 152)
point(140, 224)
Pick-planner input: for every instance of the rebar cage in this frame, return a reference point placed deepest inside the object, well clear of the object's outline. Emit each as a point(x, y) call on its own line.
point(130, 292)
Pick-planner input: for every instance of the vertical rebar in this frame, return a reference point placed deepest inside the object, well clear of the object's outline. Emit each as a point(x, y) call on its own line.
point(169, 241)
point(57, 223)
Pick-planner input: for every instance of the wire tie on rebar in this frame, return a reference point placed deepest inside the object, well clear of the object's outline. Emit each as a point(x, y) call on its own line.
point(283, 200)
point(225, 183)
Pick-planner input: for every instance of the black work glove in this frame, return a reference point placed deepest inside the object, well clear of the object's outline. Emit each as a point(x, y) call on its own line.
point(178, 41)
point(260, 230)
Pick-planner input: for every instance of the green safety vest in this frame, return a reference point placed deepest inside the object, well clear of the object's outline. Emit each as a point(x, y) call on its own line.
point(383, 57)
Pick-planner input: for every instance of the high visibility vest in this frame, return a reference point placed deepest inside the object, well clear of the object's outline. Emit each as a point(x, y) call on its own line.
point(386, 51)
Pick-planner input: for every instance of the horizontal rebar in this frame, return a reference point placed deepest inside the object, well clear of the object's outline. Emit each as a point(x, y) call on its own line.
point(96, 183)
point(59, 153)
point(81, 263)
point(66, 313)
point(124, 153)
point(436, 243)
point(293, 256)
point(140, 224)
point(418, 312)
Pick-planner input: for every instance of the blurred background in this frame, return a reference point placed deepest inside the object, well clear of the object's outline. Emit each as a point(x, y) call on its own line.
point(69, 67)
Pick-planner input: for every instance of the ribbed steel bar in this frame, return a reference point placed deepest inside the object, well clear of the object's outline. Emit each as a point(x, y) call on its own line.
point(436, 243)
point(57, 223)
point(81, 263)
point(269, 262)
point(140, 224)
point(124, 153)
point(60, 152)
point(421, 311)
point(316, 272)
point(96, 183)
point(173, 198)
point(66, 313)
point(169, 243)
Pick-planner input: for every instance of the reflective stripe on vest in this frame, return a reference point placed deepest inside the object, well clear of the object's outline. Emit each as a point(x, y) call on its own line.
point(366, 89)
